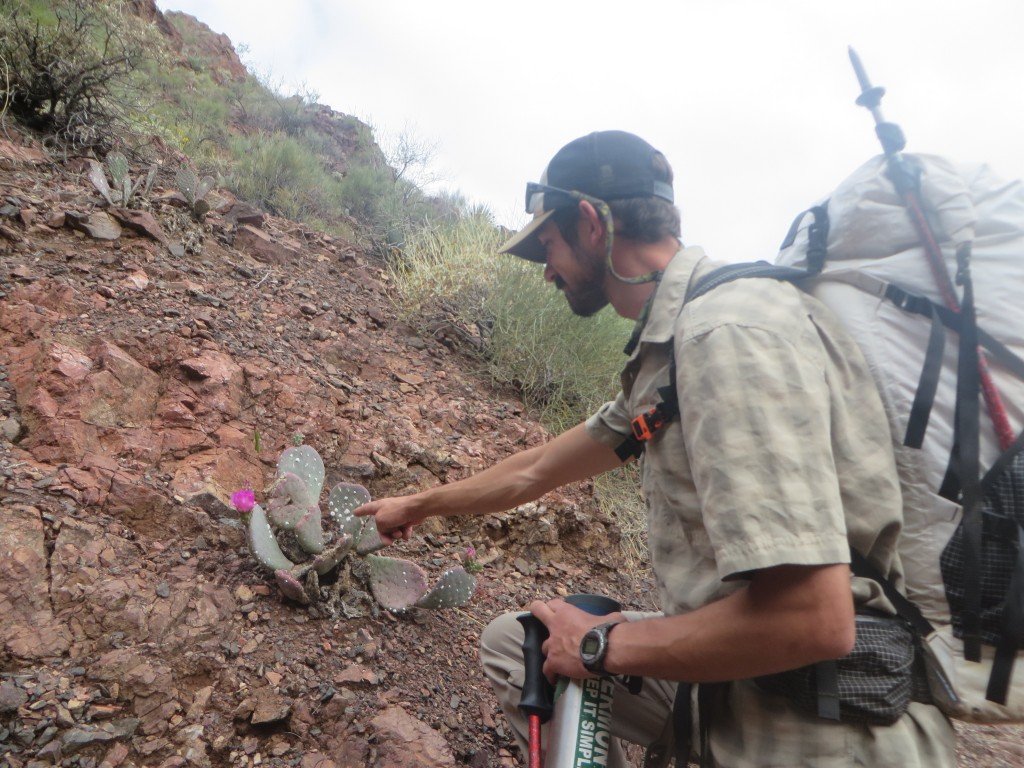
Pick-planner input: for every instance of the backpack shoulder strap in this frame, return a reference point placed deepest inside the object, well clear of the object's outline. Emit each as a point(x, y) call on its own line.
point(731, 272)
point(647, 424)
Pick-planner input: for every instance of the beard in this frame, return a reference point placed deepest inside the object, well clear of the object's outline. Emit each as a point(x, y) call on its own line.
point(586, 296)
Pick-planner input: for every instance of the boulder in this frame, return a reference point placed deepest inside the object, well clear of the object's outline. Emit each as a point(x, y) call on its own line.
point(98, 225)
point(263, 247)
point(405, 742)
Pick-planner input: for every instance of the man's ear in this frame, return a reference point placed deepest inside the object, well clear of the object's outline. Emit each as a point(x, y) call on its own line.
point(591, 225)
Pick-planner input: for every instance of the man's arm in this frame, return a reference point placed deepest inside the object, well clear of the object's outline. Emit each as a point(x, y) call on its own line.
point(520, 478)
point(786, 617)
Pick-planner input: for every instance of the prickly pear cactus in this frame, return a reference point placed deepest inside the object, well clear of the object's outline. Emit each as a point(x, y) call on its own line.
point(289, 539)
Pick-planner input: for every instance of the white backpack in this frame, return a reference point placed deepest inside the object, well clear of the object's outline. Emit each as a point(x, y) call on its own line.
point(875, 277)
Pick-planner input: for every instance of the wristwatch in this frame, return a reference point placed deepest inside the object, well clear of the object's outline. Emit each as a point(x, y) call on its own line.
point(594, 647)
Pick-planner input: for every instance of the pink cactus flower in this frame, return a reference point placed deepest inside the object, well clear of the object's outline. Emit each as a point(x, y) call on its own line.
point(243, 500)
point(470, 553)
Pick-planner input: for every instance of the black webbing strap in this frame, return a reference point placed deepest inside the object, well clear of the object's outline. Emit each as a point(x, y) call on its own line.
point(817, 237)
point(1012, 638)
point(731, 272)
point(826, 689)
point(682, 723)
point(647, 424)
point(927, 385)
point(905, 609)
point(968, 425)
point(952, 320)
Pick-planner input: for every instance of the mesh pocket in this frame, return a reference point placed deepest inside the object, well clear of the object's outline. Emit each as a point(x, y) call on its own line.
point(1002, 511)
point(876, 679)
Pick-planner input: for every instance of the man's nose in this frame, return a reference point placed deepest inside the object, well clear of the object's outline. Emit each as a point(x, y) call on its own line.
point(549, 273)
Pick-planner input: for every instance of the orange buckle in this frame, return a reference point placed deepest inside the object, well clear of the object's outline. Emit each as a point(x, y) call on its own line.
point(646, 424)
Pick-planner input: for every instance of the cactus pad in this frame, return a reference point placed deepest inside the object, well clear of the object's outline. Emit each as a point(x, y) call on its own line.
point(309, 532)
point(454, 588)
point(396, 584)
point(291, 587)
point(304, 461)
point(285, 517)
point(369, 540)
point(289, 488)
point(294, 505)
point(262, 543)
point(343, 499)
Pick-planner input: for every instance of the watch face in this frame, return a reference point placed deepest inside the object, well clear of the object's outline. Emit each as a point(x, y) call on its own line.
point(590, 645)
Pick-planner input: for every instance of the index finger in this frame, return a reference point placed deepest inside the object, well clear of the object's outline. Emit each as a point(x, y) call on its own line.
point(364, 510)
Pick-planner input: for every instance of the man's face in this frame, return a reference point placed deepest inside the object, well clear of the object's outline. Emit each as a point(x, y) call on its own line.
point(577, 273)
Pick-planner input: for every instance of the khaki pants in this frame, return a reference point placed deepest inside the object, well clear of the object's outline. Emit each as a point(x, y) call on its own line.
point(752, 730)
point(638, 718)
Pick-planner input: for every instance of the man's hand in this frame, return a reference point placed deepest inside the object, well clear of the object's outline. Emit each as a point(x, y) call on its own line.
point(566, 626)
point(395, 516)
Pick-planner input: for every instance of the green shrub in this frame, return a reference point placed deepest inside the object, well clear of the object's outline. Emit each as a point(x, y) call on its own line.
point(281, 174)
point(563, 365)
point(69, 68)
point(525, 336)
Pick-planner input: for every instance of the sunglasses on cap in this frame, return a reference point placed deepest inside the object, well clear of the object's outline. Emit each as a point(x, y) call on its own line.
point(541, 198)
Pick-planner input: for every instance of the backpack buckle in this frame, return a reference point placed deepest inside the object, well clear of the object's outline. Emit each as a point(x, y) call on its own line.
point(646, 424)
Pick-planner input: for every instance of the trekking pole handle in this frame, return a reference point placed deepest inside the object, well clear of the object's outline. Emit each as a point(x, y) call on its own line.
point(538, 694)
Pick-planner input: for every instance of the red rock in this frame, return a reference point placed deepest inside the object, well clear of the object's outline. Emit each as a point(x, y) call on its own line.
point(356, 673)
point(18, 154)
point(261, 246)
point(405, 742)
point(29, 629)
point(141, 222)
point(98, 225)
point(137, 280)
point(244, 213)
point(208, 479)
point(216, 380)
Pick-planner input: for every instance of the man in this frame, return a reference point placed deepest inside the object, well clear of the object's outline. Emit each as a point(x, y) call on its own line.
point(778, 462)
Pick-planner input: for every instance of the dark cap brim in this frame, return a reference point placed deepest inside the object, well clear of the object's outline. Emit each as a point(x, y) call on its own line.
point(525, 244)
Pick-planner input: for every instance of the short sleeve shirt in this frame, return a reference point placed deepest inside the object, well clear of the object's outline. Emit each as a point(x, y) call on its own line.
point(781, 453)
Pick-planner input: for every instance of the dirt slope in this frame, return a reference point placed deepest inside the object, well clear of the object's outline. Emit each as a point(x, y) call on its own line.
point(133, 382)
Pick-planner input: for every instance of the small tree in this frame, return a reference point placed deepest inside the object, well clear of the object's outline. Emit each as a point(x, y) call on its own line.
point(69, 74)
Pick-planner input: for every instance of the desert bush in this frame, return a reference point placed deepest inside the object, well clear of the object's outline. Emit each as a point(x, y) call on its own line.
point(563, 365)
point(70, 68)
point(281, 174)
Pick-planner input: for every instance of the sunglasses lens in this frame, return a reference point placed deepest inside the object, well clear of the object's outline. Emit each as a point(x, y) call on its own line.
point(534, 197)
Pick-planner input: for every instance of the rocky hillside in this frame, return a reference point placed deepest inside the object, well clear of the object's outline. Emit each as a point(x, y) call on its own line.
point(140, 355)
point(150, 364)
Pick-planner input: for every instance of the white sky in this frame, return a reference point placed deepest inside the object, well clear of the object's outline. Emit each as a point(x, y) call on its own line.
point(750, 100)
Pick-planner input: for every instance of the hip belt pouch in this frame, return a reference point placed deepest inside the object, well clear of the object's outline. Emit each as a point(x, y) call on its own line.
point(872, 685)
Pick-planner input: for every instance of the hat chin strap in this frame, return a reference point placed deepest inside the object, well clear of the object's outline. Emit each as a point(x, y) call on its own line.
point(609, 240)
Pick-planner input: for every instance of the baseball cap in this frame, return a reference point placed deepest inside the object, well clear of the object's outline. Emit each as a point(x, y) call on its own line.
point(607, 165)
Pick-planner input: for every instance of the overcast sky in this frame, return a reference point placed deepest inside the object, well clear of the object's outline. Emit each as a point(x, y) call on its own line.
point(751, 100)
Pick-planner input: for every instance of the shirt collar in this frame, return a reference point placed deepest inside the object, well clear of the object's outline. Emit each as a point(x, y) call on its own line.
point(656, 322)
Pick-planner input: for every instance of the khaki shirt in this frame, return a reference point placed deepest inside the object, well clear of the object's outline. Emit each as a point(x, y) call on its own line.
point(781, 455)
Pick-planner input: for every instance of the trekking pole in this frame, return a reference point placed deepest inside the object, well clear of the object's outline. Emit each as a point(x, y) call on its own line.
point(537, 700)
point(905, 179)
point(581, 732)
